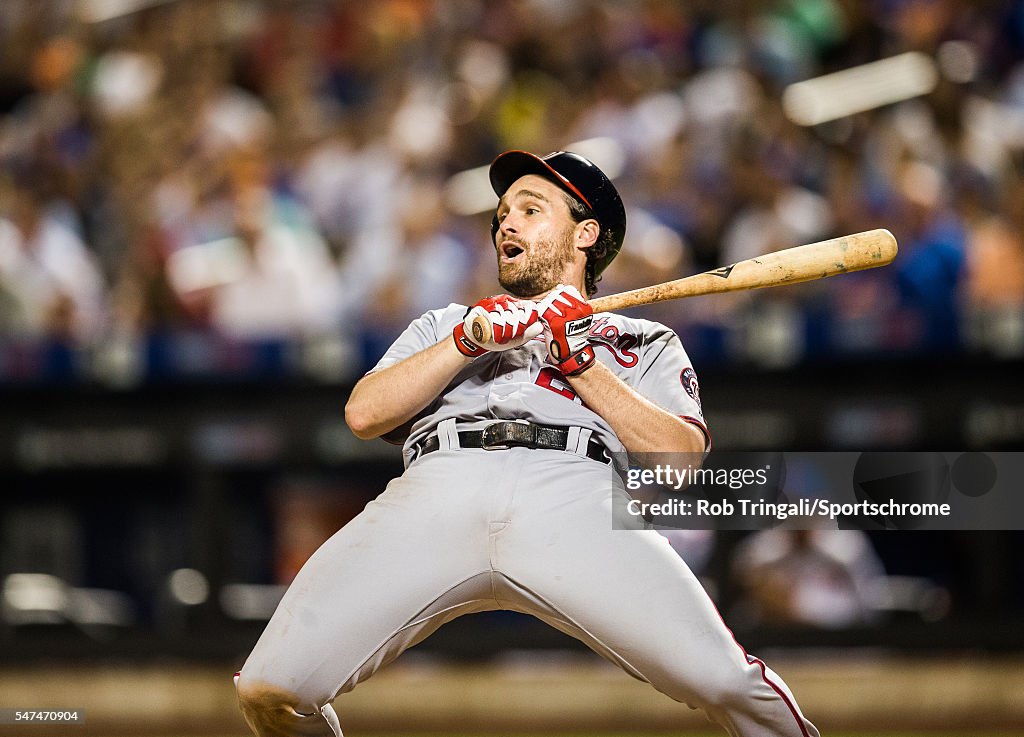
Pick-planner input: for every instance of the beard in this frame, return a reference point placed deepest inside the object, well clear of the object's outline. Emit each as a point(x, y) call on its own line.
point(541, 269)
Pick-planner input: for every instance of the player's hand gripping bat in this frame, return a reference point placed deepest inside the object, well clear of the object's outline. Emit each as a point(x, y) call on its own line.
point(856, 252)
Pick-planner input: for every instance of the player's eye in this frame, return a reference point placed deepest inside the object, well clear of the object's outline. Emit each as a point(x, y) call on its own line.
point(532, 210)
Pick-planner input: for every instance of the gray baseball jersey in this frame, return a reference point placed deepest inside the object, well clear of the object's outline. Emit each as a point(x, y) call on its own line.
point(467, 529)
point(521, 385)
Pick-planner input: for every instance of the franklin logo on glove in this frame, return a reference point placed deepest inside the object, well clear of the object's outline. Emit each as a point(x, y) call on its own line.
point(576, 327)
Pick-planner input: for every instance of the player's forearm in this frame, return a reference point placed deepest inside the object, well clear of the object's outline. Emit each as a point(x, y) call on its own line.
point(385, 399)
point(641, 425)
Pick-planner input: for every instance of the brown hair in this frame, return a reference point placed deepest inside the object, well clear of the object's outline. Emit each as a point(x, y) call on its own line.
point(596, 254)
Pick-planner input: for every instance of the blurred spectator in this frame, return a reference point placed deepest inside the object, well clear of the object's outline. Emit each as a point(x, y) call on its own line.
point(271, 278)
point(425, 265)
point(995, 277)
point(50, 284)
point(932, 266)
point(820, 578)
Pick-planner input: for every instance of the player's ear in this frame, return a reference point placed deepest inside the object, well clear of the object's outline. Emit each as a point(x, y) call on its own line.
point(586, 233)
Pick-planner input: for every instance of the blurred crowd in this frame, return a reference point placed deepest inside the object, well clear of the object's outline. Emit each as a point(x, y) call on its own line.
point(284, 168)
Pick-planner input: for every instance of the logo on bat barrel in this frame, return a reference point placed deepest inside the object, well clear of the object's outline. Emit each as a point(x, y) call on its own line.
point(723, 271)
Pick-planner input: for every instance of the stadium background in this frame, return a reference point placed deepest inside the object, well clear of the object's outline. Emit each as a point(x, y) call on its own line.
point(172, 443)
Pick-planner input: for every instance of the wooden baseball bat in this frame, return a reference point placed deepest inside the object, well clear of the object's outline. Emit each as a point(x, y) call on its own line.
point(856, 252)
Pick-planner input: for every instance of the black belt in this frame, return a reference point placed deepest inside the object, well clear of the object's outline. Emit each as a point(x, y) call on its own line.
point(503, 435)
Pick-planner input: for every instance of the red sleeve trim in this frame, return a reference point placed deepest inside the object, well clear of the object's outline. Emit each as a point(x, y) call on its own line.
point(703, 428)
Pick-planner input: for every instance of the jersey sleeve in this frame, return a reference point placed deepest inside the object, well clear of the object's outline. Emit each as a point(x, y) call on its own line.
point(667, 378)
point(422, 333)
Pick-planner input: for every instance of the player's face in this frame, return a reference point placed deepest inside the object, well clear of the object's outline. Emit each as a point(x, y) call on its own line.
point(535, 243)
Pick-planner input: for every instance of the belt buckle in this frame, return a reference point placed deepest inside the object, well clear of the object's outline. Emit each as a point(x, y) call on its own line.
point(503, 435)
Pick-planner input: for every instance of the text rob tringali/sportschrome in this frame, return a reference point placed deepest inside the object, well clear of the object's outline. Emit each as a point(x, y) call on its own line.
point(784, 510)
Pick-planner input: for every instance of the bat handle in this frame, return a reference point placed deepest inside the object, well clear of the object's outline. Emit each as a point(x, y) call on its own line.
point(479, 329)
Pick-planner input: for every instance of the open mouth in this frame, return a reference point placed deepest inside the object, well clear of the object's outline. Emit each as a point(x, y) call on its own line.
point(511, 250)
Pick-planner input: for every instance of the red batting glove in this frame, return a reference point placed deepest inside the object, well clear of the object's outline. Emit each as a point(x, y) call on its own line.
point(512, 322)
point(567, 318)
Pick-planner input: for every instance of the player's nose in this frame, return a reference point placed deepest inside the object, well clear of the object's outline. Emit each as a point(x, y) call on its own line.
point(509, 224)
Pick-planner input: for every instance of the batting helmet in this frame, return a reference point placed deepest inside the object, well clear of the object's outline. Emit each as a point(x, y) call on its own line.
point(576, 175)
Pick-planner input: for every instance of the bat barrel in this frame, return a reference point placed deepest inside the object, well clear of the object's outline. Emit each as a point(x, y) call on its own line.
point(856, 252)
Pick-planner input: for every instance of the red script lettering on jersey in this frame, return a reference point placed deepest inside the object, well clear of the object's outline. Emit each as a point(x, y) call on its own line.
point(620, 345)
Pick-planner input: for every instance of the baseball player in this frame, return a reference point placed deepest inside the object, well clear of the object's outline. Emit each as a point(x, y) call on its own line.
point(506, 501)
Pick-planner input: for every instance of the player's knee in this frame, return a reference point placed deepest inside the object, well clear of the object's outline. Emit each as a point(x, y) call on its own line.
point(268, 710)
point(724, 688)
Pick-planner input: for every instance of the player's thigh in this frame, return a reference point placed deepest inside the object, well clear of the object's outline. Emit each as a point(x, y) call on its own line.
point(385, 580)
point(625, 592)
